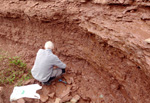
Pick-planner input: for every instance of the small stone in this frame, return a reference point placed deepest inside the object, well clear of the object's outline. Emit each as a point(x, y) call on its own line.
point(51, 101)
point(44, 98)
point(147, 40)
point(65, 99)
point(1, 89)
point(101, 96)
point(57, 100)
point(101, 1)
point(121, 1)
point(75, 99)
point(82, 1)
point(70, 0)
point(71, 42)
point(51, 95)
point(21, 100)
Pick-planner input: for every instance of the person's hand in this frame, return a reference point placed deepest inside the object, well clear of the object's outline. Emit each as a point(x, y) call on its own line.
point(54, 67)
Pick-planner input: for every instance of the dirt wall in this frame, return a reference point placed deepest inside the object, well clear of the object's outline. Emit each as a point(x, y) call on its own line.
point(102, 45)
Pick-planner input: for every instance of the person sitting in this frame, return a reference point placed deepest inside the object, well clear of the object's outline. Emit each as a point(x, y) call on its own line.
point(44, 66)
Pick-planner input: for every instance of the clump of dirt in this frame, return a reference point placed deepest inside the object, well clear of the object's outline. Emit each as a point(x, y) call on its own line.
point(103, 46)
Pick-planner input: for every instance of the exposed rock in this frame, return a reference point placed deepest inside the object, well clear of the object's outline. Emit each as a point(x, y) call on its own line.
point(1, 90)
point(128, 9)
point(144, 4)
point(21, 100)
point(77, 0)
point(128, 2)
point(51, 95)
point(83, 1)
point(147, 40)
point(121, 1)
point(71, 0)
point(66, 98)
point(75, 99)
point(61, 87)
point(101, 1)
point(45, 91)
point(145, 17)
point(101, 96)
point(51, 101)
point(57, 100)
point(113, 1)
point(44, 98)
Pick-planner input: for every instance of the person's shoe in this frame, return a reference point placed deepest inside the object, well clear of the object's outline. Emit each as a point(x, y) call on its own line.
point(46, 83)
point(63, 71)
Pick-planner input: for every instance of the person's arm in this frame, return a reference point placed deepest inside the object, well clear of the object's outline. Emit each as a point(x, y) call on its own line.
point(59, 63)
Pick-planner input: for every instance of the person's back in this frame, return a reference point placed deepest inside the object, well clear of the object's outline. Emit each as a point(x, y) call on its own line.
point(43, 66)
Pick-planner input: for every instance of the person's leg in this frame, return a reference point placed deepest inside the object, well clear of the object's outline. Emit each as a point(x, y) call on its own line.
point(55, 73)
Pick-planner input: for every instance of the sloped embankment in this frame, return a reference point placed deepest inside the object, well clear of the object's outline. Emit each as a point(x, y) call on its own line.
point(102, 45)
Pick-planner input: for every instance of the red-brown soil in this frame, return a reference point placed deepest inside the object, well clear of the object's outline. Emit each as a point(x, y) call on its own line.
point(102, 45)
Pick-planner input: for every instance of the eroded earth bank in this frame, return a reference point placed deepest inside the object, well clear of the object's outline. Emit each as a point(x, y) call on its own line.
point(101, 41)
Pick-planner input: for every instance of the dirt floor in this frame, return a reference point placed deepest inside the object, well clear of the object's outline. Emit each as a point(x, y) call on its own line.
point(101, 41)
